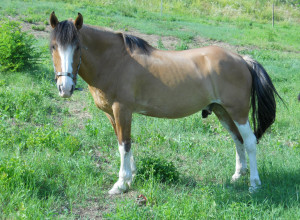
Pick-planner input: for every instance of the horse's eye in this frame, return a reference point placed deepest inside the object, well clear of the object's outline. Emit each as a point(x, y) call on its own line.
point(53, 47)
point(77, 48)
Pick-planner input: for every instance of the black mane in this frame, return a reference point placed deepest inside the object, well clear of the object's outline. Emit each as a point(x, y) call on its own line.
point(133, 42)
point(65, 33)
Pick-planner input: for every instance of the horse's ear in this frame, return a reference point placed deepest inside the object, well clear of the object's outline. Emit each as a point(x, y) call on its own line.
point(53, 20)
point(79, 21)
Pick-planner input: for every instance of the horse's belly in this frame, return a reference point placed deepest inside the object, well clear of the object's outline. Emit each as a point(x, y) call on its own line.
point(173, 105)
point(167, 114)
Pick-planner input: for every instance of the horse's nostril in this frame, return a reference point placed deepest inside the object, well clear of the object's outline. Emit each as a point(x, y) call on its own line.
point(59, 88)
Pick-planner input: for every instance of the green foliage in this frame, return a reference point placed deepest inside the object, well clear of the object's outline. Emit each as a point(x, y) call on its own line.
point(182, 46)
point(160, 44)
point(17, 49)
point(14, 172)
point(33, 17)
point(49, 138)
point(38, 27)
point(30, 184)
point(25, 105)
point(158, 168)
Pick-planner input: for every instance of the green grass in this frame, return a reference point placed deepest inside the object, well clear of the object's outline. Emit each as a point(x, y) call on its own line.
point(59, 158)
point(38, 27)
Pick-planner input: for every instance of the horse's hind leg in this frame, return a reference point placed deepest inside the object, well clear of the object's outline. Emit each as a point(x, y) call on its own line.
point(250, 145)
point(239, 115)
point(228, 123)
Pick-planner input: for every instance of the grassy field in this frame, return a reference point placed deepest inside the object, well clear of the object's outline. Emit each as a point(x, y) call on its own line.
point(59, 157)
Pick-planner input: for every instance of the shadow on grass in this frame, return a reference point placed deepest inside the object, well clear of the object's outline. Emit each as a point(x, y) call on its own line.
point(278, 188)
point(50, 187)
point(187, 181)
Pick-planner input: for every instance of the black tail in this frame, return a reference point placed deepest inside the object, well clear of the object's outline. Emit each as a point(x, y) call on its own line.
point(262, 98)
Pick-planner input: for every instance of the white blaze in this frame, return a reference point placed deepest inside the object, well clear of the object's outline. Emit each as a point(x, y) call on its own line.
point(66, 56)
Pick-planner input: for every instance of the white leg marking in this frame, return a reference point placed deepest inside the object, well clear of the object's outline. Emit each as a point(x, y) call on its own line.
point(132, 164)
point(125, 173)
point(241, 163)
point(250, 145)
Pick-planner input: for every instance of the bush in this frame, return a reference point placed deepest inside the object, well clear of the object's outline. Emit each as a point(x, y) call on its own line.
point(160, 169)
point(16, 47)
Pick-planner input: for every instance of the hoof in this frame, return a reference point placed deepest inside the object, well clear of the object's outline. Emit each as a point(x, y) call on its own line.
point(255, 186)
point(254, 189)
point(235, 178)
point(119, 188)
point(238, 175)
point(129, 183)
point(116, 191)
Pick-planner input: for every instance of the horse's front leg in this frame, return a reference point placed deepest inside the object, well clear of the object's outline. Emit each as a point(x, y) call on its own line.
point(122, 117)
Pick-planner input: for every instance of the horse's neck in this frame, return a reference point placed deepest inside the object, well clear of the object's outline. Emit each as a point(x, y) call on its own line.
point(92, 36)
point(97, 51)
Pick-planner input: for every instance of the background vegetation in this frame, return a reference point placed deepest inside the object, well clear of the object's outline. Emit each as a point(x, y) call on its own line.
point(17, 49)
point(58, 158)
point(261, 10)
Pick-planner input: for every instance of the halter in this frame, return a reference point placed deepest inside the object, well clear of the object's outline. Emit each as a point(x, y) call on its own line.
point(74, 78)
point(65, 74)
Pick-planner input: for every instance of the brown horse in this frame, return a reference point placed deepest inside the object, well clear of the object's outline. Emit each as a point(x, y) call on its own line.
point(126, 75)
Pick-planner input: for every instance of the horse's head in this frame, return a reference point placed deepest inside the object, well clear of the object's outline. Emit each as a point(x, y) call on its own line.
point(66, 53)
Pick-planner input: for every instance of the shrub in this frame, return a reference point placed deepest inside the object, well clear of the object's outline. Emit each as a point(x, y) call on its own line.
point(17, 49)
point(161, 169)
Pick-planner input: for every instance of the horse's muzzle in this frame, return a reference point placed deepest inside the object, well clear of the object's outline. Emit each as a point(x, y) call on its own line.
point(65, 94)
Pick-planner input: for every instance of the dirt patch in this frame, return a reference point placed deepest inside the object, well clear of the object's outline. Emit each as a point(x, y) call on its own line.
point(73, 109)
point(202, 42)
point(28, 27)
point(93, 209)
point(78, 109)
point(168, 42)
point(38, 34)
point(96, 208)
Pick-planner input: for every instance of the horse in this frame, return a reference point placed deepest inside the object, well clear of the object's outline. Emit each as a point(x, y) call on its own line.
point(126, 75)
